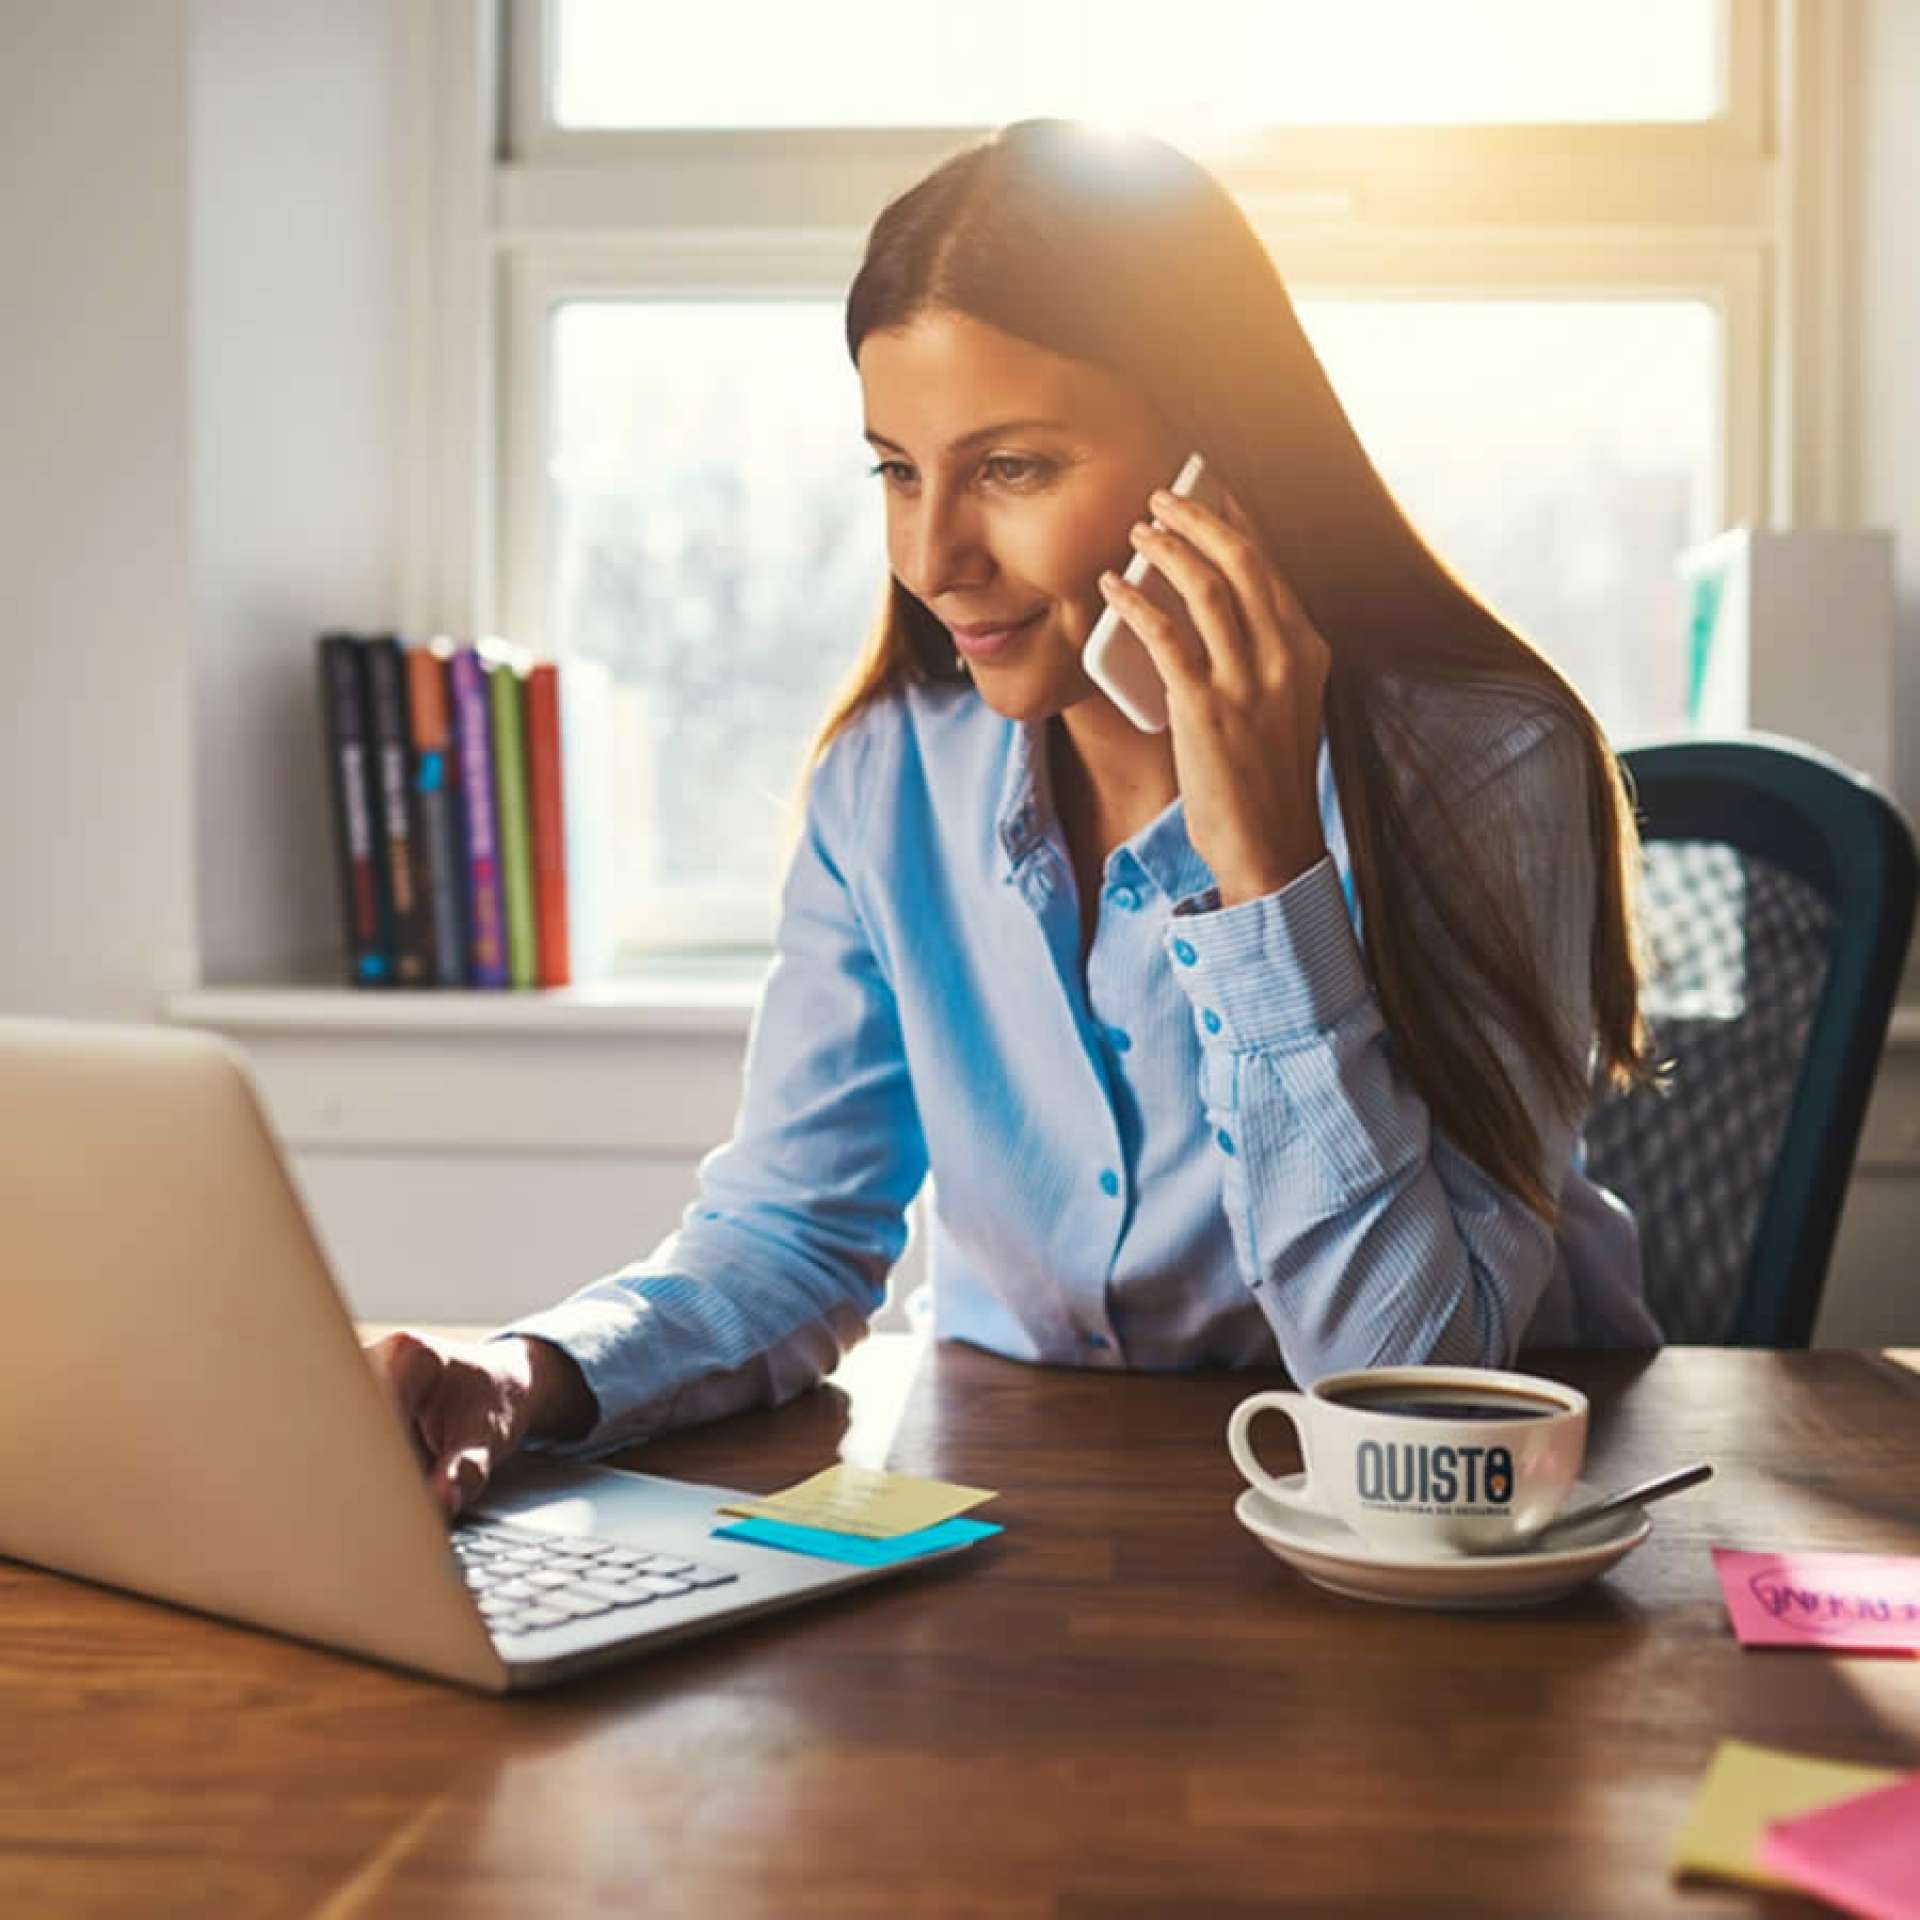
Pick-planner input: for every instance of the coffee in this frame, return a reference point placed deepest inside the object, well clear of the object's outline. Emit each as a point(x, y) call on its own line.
point(1442, 1403)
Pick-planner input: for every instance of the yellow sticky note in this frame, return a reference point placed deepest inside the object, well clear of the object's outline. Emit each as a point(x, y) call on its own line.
point(1744, 1788)
point(866, 1501)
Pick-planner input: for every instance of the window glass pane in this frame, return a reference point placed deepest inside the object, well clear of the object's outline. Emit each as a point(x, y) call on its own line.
point(864, 63)
point(718, 543)
point(1559, 455)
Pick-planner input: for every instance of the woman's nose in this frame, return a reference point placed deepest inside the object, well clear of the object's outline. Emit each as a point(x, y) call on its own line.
point(940, 551)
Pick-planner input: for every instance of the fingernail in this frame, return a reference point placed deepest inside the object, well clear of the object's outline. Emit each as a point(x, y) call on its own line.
point(1109, 579)
point(1138, 531)
point(1160, 497)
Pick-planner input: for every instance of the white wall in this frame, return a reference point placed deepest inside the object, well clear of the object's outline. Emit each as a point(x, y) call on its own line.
point(96, 855)
point(198, 370)
point(296, 330)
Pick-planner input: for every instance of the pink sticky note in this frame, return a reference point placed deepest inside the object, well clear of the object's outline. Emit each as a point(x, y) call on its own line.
point(1860, 1602)
point(1861, 1855)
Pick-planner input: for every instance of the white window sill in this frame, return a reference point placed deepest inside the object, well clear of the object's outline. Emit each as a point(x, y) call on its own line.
point(647, 1066)
point(691, 998)
point(687, 998)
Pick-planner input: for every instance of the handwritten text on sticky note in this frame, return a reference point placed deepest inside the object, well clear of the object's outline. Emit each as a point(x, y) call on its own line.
point(866, 1501)
point(1863, 1601)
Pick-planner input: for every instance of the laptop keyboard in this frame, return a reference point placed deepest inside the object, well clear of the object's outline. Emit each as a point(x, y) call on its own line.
point(525, 1581)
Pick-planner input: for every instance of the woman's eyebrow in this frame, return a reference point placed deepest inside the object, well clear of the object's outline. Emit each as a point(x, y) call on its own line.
point(974, 438)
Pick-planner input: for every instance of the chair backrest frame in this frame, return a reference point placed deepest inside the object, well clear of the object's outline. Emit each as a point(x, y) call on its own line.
point(1782, 801)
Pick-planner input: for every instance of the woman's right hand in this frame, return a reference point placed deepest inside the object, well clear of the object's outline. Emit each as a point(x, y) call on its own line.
point(469, 1405)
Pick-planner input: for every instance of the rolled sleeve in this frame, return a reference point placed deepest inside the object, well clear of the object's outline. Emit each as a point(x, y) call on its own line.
point(783, 1257)
point(1365, 1235)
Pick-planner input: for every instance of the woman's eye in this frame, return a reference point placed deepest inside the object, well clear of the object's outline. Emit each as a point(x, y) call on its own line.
point(1017, 470)
point(1006, 469)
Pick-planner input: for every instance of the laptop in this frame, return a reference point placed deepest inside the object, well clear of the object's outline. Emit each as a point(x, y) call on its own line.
point(186, 1412)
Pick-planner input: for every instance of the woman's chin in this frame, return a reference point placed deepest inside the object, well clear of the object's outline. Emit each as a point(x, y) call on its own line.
point(1020, 693)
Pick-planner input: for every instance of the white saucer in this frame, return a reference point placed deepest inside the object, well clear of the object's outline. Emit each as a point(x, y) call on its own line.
point(1332, 1555)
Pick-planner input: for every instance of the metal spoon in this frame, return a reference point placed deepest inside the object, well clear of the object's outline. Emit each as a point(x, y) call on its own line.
point(1643, 1495)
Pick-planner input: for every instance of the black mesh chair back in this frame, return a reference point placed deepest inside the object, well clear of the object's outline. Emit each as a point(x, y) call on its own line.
point(1777, 900)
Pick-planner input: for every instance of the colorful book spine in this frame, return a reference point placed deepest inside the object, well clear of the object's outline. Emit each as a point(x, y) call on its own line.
point(473, 747)
point(506, 683)
point(546, 801)
point(436, 793)
point(344, 722)
point(393, 811)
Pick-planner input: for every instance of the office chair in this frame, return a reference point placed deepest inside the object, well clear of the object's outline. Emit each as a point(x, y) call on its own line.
point(1776, 905)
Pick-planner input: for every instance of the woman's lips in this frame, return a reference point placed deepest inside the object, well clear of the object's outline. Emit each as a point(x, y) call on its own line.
point(983, 644)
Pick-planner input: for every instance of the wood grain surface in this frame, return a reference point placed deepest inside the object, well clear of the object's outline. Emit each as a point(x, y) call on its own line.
point(1124, 1707)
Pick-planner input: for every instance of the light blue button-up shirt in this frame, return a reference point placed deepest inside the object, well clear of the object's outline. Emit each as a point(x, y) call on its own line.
point(1198, 1150)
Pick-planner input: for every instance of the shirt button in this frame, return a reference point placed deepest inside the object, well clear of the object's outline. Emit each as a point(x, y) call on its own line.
point(1184, 953)
point(1119, 1039)
point(1109, 1182)
point(1125, 898)
point(1210, 1020)
point(1225, 1139)
point(1096, 1339)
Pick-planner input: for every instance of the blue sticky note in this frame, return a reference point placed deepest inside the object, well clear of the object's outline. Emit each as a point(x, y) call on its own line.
point(851, 1548)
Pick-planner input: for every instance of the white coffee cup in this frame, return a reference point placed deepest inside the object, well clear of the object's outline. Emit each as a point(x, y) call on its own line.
point(1422, 1460)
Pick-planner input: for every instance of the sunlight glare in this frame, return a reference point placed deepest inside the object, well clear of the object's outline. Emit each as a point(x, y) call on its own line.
point(1215, 67)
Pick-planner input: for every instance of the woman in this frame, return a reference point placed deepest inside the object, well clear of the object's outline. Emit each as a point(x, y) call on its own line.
point(1266, 1038)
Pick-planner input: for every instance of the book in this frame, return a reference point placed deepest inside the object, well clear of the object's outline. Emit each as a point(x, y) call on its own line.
point(473, 752)
point(393, 809)
point(345, 732)
point(546, 800)
point(505, 670)
point(587, 784)
point(438, 866)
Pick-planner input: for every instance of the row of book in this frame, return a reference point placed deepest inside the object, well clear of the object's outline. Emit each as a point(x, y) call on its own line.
point(468, 800)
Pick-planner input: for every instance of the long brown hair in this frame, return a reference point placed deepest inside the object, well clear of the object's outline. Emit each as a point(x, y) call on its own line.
point(1122, 252)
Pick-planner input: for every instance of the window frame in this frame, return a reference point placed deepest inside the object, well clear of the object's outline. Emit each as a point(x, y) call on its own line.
point(1738, 131)
point(523, 215)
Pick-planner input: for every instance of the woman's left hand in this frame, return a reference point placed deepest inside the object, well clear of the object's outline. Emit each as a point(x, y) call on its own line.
point(1244, 703)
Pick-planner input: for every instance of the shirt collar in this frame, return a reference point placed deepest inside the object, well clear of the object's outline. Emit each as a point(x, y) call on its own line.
point(1026, 796)
point(1161, 848)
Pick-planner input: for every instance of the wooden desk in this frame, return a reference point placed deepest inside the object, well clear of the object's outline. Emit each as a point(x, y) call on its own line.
point(1125, 1709)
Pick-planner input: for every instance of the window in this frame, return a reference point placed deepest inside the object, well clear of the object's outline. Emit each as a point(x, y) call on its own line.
point(1256, 62)
point(1539, 254)
point(717, 543)
point(1558, 454)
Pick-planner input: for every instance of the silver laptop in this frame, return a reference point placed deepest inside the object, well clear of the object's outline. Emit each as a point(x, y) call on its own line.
point(186, 1413)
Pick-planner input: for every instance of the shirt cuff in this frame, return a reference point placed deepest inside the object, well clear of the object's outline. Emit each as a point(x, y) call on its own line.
point(1272, 970)
point(597, 1335)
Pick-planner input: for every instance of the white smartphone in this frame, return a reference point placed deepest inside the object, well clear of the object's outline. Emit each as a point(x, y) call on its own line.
point(1115, 659)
